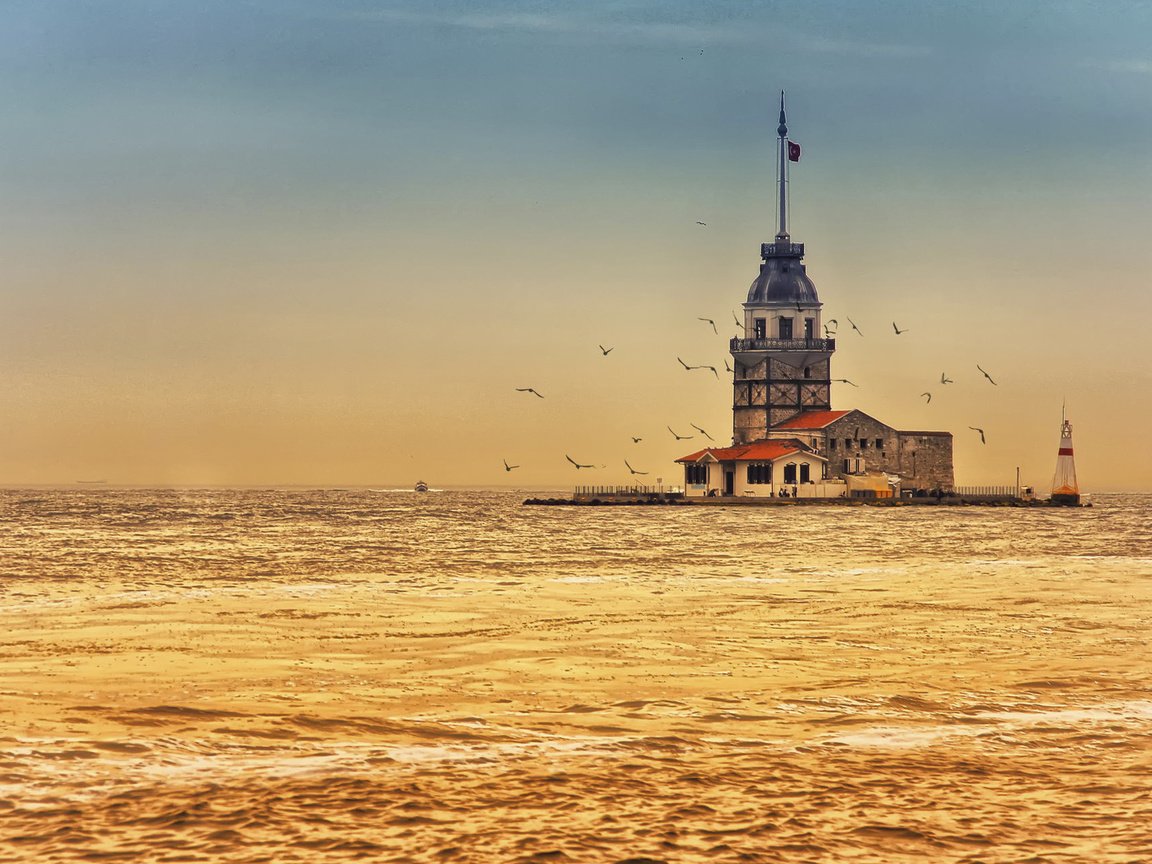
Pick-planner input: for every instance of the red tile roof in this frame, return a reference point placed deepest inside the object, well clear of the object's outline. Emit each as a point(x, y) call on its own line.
point(811, 420)
point(757, 451)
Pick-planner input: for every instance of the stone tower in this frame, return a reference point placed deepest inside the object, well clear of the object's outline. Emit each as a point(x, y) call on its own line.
point(782, 364)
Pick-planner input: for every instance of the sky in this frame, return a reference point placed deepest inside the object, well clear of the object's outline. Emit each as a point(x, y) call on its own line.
point(272, 242)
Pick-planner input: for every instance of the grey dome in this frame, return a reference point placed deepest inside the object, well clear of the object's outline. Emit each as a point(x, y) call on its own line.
point(783, 280)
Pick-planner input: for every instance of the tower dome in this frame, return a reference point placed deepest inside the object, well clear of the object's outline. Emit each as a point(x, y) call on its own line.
point(782, 279)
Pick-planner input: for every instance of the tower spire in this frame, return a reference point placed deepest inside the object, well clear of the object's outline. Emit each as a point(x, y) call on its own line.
point(782, 172)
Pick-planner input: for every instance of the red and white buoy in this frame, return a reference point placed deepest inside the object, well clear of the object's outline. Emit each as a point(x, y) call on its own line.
point(1064, 487)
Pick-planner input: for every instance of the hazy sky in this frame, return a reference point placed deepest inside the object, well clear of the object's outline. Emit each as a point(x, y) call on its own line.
point(278, 241)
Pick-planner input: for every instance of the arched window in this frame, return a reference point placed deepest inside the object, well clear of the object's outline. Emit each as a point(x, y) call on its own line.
point(790, 472)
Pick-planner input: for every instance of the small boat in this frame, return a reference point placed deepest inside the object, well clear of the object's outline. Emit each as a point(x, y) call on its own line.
point(421, 486)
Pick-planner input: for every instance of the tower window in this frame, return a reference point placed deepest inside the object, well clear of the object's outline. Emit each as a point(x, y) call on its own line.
point(809, 326)
point(807, 371)
point(759, 328)
point(785, 328)
point(879, 443)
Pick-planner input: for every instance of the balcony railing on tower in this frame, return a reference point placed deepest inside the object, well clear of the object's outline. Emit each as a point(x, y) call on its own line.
point(738, 344)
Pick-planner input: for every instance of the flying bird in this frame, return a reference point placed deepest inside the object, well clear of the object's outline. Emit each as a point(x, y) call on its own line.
point(508, 467)
point(685, 365)
point(727, 368)
point(739, 323)
point(577, 464)
point(604, 350)
point(845, 381)
point(981, 431)
point(636, 440)
point(828, 334)
point(713, 323)
point(898, 330)
point(633, 470)
point(701, 431)
point(679, 437)
point(833, 321)
point(854, 327)
point(713, 368)
point(944, 379)
point(929, 395)
point(705, 224)
point(527, 390)
point(986, 375)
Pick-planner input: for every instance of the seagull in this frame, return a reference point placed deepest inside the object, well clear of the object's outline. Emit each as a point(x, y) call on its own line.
point(508, 467)
point(713, 323)
point(897, 329)
point(727, 368)
point(701, 431)
point(527, 390)
point(845, 381)
point(832, 321)
point(679, 437)
point(929, 395)
point(986, 375)
point(828, 334)
point(705, 224)
point(604, 350)
point(739, 323)
point(854, 327)
point(944, 379)
point(633, 470)
point(577, 464)
point(981, 431)
point(799, 308)
point(690, 368)
point(636, 440)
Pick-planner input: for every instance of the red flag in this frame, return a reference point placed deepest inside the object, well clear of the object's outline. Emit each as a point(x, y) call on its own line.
point(793, 151)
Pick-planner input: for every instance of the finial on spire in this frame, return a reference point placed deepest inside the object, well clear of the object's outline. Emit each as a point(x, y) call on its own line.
point(782, 129)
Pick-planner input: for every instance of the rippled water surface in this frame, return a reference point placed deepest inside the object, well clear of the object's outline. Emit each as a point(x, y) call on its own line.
point(306, 675)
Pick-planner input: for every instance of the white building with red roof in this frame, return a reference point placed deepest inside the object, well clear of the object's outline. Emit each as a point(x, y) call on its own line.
point(783, 425)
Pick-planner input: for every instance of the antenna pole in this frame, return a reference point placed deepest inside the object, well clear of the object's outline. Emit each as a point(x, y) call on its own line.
point(782, 172)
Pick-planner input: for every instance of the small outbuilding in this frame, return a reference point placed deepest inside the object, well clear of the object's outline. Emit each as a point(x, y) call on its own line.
point(784, 468)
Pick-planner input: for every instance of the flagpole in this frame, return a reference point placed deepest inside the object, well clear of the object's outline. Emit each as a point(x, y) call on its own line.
point(782, 174)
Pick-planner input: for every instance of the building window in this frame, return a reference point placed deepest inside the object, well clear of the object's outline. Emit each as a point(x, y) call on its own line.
point(805, 476)
point(785, 328)
point(832, 443)
point(790, 472)
point(759, 328)
point(695, 475)
point(807, 371)
point(863, 443)
point(759, 474)
point(847, 443)
point(809, 324)
point(879, 443)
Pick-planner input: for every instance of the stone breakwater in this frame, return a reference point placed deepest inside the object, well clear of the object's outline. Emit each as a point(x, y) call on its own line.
point(677, 501)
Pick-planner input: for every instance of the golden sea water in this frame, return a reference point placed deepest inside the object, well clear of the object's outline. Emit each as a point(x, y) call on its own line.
point(337, 675)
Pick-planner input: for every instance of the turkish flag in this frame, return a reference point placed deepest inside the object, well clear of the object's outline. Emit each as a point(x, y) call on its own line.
point(793, 151)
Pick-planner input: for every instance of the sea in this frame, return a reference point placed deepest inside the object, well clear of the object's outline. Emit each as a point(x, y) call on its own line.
point(322, 675)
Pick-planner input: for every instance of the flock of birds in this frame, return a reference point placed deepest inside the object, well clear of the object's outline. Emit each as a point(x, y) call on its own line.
point(830, 330)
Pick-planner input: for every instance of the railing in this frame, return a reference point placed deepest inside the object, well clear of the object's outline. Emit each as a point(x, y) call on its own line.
point(987, 491)
point(767, 249)
point(625, 491)
point(738, 344)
